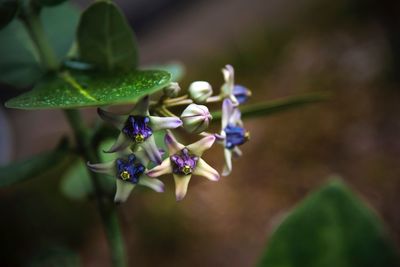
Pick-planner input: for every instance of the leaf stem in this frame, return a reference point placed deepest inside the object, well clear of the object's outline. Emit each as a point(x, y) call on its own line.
point(106, 207)
point(30, 18)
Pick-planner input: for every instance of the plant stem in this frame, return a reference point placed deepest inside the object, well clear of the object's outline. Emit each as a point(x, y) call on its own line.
point(31, 20)
point(108, 214)
point(106, 208)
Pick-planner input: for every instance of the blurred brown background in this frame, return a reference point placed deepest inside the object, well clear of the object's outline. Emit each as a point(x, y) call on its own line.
point(278, 48)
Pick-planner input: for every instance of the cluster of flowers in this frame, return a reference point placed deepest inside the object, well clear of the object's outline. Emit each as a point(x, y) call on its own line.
point(136, 146)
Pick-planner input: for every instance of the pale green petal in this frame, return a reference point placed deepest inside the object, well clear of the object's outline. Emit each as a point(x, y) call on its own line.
point(152, 183)
point(163, 168)
point(124, 189)
point(181, 185)
point(228, 162)
point(205, 170)
point(200, 146)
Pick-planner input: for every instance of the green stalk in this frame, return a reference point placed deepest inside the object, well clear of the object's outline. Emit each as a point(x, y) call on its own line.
point(31, 20)
point(106, 207)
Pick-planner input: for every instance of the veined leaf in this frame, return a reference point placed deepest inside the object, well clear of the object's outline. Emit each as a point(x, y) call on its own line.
point(19, 64)
point(8, 9)
point(30, 168)
point(279, 105)
point(105, 38)
point(80, 90)
point(330, 228)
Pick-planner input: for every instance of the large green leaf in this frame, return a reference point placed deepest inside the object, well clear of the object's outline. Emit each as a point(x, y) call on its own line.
point(105, 38)
point(30, 168)
point(49, 2)
point(19, 64)
point(67, 91)
point(176, 69)
point(8, 9)
point(276, 106)
point(330, 228)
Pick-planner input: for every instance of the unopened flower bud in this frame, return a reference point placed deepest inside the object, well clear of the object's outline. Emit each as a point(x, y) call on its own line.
point(199, 91)
point(241, 93)
point(196, 118)
point(172, 90)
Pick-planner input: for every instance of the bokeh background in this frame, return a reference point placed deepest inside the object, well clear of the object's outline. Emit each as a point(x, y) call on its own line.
point(279, 48)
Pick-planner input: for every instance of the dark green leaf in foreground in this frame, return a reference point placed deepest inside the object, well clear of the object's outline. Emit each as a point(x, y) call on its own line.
point(330, 228)
point(8, 10)
point(276, 106)
point(30, 168)
point(105, 38)
point(19, 61)
point(67, 91)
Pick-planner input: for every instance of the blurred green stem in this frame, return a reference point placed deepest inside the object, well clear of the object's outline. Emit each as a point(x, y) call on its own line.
point(30, 18)
point(105, 205)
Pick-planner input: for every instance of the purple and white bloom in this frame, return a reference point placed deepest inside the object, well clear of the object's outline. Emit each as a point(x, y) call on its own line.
point(196, 118)
point(138, 127)
point(238, 94)
point(129, 171)
point(185, 161)
point(200, 91)
point(232, 134)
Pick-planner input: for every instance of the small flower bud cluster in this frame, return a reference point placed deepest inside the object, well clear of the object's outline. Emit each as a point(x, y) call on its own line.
point(136, 146)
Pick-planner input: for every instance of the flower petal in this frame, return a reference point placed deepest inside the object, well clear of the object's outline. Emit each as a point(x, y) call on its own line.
point(228, 162)
point(151, 150)
point(229, 77)
point(120, 144)
point(205, 170)
point(105, 167)
point(181, 185)
point(227, 110)
point(237, 152)
point(142, 156)
point(163, 168)
point(114, 119)
point(162, 123)
point(200, 146)
point(154, 184)
point(142, 107)
point(123, 190)
point(235, 117)
point(172, 144)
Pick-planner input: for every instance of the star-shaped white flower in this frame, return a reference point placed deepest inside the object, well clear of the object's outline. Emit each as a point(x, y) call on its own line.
point(232, 134)
point(238, 94)
point(185, 161)
point(138, 127)
point(129, 170)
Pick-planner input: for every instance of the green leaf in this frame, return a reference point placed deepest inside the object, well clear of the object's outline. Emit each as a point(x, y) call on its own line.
point(176, 69)
point(276, 106)
point(30, 168)
point(105, 38)
point(8, 10)
point(330, 228)
point(67, 91)
point(19, 64)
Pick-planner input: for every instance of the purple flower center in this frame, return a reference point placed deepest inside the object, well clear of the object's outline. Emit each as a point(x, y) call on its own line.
point(128, 170)
point(183, 162)
point(235, 136)
point(137, 129)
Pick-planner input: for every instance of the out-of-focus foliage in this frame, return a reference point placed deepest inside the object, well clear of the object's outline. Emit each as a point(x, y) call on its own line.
point(80, 90)
point(30, 168)
point(19, 65)
point(8, 9)
point(105, 39)
point(331, 227)
point(176, 69)
point(275, 106)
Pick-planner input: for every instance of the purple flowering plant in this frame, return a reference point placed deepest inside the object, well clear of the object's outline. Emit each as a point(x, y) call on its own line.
point(99, 68)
